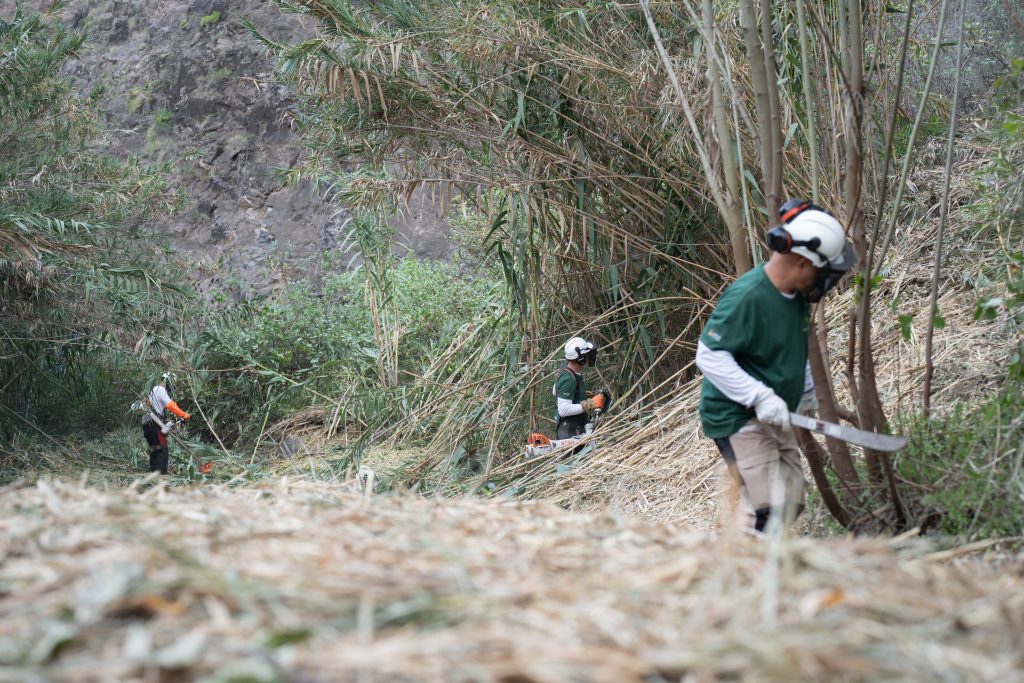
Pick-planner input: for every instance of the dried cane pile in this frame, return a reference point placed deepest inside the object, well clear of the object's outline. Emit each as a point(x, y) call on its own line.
point(310, 581)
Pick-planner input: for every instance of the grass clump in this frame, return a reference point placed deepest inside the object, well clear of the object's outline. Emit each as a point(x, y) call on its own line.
point(209, 20)
point(162, 120)
point(219, 75)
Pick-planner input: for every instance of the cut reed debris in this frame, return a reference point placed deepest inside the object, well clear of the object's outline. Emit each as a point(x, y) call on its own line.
point(310, 581)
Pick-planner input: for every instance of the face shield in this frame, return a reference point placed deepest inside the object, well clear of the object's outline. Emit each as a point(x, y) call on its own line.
point(828, 276)
point(590, 356)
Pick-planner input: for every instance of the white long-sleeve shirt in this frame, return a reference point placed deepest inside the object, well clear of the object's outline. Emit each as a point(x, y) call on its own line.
point(722, 370)
point(158, 400)
point(567, 408)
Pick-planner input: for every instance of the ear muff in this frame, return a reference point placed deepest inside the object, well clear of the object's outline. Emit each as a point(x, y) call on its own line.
point(780, 240)
point(587, 355)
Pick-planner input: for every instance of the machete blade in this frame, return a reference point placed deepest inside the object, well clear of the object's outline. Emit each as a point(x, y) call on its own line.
point(872, 440)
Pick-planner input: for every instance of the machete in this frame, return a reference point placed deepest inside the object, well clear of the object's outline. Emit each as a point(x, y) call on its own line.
point(872, 440)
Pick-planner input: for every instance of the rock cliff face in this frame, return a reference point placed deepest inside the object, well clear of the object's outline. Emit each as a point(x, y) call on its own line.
point(186, 84)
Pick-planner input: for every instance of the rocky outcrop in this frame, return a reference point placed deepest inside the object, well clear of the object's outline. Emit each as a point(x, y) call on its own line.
point(186, 84)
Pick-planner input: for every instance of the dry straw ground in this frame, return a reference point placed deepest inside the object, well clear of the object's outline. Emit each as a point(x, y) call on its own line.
point(308, 581)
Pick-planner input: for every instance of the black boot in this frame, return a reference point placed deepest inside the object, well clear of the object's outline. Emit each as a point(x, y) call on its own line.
point(158, 460)
point(154, 459)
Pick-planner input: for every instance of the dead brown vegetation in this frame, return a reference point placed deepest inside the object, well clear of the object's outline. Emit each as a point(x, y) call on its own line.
point(309, 581)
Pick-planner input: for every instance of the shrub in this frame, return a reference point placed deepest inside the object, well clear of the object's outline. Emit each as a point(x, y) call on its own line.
point(162, 120)
point(264, 360)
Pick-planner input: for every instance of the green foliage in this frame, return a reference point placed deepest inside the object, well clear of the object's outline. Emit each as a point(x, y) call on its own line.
point(209, 20)
point(135, 100)
point(935, 126)
point(587, 185)
point(117, 457)
point(302, 347)
point(219, 75)
point(904, 321)
point(78, 302)
point(968, 468)
point(162, 120)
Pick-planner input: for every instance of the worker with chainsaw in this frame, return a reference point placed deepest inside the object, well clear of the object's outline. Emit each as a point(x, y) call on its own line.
point(753, 354)
point(156, 425)
point(574, 409)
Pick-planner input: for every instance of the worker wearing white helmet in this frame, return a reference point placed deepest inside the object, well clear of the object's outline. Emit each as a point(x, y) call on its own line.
point(753, 354)
point(155, 425)
point(573, 407)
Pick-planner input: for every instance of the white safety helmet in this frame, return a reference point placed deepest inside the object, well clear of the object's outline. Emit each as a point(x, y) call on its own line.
point(833, 250)
point(579, 349)
point(813, 233)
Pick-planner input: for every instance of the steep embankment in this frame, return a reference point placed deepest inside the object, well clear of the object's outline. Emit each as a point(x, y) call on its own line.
point(308, 581)
point(184, 83)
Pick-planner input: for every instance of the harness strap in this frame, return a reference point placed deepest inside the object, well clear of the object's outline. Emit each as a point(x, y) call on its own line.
point(575, 395)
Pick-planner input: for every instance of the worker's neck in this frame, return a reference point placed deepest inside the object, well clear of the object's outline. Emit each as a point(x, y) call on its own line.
point(781, 276)
point(575, 367)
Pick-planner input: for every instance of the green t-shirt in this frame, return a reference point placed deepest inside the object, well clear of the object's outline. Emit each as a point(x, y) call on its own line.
point(767, 335)
point(565, 387)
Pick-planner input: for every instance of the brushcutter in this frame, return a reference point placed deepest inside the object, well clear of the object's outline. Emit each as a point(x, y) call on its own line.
point(204, 467)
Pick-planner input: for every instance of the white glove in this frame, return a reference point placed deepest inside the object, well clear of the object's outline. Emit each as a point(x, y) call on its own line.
point(772, 410)
point(808, 404)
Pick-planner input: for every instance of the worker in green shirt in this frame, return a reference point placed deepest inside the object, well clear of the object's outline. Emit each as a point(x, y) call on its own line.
point(572, 406)
point(753, 354)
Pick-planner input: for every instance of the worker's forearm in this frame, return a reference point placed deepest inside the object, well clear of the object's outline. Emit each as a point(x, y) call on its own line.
point(722, 370)
point(173, 407)
point(566, 408)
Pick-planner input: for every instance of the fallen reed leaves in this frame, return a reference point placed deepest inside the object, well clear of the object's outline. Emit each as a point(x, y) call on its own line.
point(310, 581)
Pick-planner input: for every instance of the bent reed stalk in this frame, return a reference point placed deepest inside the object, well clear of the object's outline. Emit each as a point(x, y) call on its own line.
point(560, 127)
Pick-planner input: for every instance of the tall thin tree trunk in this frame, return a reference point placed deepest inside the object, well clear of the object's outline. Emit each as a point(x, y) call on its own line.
point(839, 452)
point(762, 100)
point(929, 368)
point(809, 127)
point(854, 111)
point(727, 148)
point(816, 462)
point(774, 197)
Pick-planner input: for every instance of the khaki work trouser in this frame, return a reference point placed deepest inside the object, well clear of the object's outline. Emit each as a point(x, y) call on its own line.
point(768, 463)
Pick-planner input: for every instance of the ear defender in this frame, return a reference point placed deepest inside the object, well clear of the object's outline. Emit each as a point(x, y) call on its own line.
point(780, 240)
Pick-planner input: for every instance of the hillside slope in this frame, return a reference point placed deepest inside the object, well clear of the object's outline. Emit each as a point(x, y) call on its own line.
point(310, 581)
point(185, 83)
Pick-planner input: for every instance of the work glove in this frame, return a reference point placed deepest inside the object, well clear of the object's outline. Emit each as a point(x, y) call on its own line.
point(588, 404)
point(808, 404)
point(772, 410)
